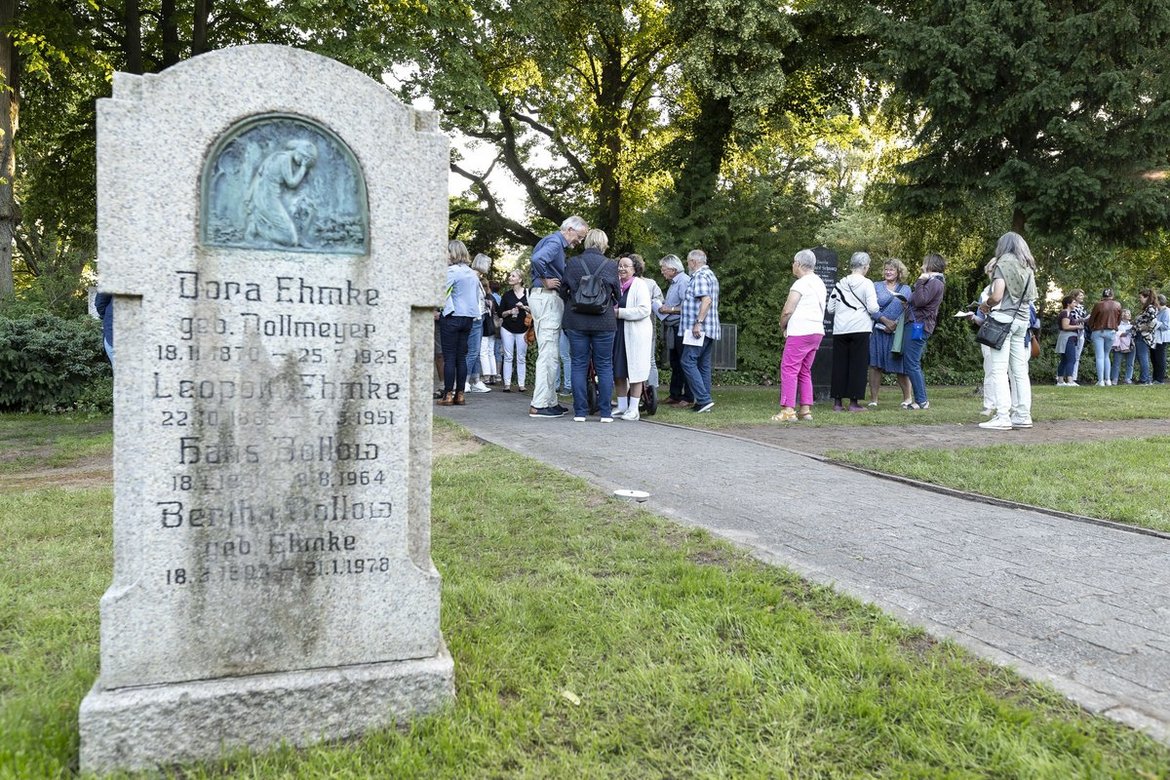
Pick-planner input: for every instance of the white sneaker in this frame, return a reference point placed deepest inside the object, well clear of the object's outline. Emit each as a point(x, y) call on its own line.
point(479, 387)
point(1072, 383)
point(578, 419)
point(1060, 382)
point(996, 424)
point(631, 413)
point(607, 419)
point(987, 411)
point(1021, 422)
point(1101, 383)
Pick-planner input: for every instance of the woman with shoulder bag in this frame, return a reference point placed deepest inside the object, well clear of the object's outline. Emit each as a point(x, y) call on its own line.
point(1013, 288)
point(925, 297)
point(853, 304)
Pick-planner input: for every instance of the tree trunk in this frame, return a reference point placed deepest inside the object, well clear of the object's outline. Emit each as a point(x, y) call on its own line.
point(170, 33)
point(699, 176)
point(1018, 221)
point(609, 187)
point(132, 40)
point(199, 27)
point(9, 121)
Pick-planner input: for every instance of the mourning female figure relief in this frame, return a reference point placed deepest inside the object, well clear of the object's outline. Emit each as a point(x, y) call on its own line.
point(282, 183)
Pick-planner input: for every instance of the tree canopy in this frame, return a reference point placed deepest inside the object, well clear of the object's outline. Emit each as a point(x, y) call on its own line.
point(1063, 107)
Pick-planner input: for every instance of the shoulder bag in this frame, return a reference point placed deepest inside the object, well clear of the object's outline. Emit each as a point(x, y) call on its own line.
point(993, 333)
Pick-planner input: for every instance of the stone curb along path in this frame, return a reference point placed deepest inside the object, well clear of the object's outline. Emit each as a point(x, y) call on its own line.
point(1081, 606)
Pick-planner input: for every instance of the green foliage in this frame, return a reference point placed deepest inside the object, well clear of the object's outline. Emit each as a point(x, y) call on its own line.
point(48, 363)
point(1061, 107)
point(750, 233)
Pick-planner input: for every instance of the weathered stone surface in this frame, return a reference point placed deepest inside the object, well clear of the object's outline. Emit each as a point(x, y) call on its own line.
point(139, 728)
point(272, 421)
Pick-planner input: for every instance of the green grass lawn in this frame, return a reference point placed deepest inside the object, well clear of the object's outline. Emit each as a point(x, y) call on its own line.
point(1124, 480)
point(591, 640)
point(737, 407)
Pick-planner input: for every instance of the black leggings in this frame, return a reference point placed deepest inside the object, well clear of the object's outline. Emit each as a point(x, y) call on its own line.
point(850, 366)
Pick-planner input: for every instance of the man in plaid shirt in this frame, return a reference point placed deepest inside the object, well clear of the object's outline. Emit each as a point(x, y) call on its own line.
point(699, 328)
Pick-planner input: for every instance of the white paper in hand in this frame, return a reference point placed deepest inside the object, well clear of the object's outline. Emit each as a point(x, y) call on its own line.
point(693, 340)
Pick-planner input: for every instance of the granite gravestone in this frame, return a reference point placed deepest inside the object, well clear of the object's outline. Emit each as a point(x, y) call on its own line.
point(272, 225)
point(822, 367)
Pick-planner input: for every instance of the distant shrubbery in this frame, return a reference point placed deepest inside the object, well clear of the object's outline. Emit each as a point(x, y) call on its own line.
point(49, 363)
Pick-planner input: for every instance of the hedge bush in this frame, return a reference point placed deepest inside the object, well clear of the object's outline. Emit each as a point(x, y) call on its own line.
point(48, 363)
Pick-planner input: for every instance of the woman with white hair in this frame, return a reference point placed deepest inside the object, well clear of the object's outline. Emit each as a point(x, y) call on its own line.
point(854, 306)
point(1013, 288)
point(634, 341)
point(803, 324)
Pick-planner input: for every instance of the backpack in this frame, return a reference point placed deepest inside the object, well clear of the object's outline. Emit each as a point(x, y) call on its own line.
point(591, 295)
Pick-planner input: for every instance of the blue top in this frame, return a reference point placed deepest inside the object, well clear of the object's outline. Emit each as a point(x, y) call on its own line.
point(548, 259)
point(889, 306)
point(674, 297)
point(464, 292)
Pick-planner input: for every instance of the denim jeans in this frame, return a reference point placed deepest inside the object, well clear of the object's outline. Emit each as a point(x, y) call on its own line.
point(1068, 358)
point(696, 365)
point(566, 349)
point(912, 352)
point(473, 346)
point(598, 347)
point(1102, 350)
point(1143, 358)
point(453, 332)
point(1123, 364)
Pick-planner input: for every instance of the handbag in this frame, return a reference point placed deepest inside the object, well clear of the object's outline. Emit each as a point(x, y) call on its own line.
point(993, 333)
point(918, 331)
point(530, 333)
point(1035, 345)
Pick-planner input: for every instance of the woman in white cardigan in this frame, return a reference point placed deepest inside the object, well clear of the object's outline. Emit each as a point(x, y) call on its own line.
point(632, 354)
point(853, 304)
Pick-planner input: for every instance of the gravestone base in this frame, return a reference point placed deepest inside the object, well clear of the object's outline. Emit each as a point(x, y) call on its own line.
point(159, 725)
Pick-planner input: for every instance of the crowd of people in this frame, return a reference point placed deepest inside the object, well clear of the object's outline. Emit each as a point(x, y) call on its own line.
point(593, 321)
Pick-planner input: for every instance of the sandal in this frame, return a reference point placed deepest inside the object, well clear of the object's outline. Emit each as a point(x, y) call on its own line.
point(805, 416)
point(784, 415)
point(872, 404)
point(908, 405)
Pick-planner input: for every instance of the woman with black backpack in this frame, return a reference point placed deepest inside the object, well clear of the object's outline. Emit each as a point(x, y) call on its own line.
point(590, 289)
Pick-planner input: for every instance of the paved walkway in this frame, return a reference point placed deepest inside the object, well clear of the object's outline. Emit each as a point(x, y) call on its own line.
point(1084, 607)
